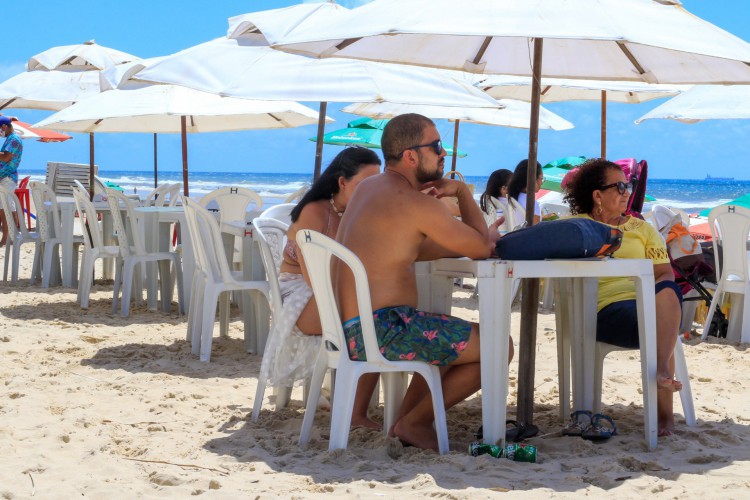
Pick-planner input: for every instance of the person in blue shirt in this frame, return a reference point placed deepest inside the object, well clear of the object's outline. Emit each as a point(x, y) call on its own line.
point(10, 157)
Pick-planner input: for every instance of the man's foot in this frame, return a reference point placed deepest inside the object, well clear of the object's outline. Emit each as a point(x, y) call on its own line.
point(665, 425)
point(668, 383)
point(421, 436)
point(367, 423)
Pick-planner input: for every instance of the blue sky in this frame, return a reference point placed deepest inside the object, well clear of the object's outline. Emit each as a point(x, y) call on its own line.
point(152, 28)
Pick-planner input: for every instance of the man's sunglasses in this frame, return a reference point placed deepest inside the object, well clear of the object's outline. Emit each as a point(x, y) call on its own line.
point(621, 186)
point(437, 147)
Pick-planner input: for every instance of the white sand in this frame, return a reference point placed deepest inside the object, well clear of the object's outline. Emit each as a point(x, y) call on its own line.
point(98, 406)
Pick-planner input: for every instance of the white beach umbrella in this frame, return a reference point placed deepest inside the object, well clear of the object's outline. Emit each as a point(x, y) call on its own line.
point(175, 109)
point(705, 102)
point(655, 41)
point(511, 113)
point(282, 20)
point(241, 68)
point(59, 77)
point(80, 57)
point(561, 89)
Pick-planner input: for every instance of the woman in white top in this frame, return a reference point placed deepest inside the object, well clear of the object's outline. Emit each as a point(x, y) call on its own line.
point(494, 200)
point(517, 192)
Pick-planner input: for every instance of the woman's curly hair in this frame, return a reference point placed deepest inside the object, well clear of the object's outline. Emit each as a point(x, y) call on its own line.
point(588, 177)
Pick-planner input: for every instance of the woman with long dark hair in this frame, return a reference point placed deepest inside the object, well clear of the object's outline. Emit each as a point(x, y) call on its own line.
point(494, 200)
point(295, 340)
point(517, 192)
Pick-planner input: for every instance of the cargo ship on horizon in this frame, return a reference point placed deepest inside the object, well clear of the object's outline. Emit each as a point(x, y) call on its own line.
point(710, 178)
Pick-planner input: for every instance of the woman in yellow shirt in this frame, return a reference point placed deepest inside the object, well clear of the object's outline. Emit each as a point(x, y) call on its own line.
point(600, 191)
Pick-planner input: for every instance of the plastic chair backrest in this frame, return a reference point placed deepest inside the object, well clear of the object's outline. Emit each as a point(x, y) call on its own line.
point(730, 227)
point(23, 182)
point(271, 238)
point(206, 227)
point(92, 234)
point(48, 227)
point(61, 176)
point(279, 212)
point(8, 197)
point(156, 197)
point(297, 195)
point(318, 250)
point(233, 202)
point(199, 252)
point(129, 241)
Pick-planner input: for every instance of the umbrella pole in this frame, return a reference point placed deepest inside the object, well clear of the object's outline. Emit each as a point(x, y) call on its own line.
point(91, 166)
point(156, 163)
point(604, 125)
point(455, 148)
point(530, 287)
point(319, 142)
point(183, 133)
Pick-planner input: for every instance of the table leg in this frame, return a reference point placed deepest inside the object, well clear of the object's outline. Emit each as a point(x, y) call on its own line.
point(644, 290)
point(67, 218)
point(495, 296)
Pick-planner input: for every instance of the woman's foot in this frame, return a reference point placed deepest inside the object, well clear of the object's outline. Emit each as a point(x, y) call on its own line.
point(667, 383)
point(421, 436)
point(366, 422)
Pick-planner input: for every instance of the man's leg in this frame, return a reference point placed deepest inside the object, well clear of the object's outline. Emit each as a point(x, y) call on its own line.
point(3, 227)
point(365, 388)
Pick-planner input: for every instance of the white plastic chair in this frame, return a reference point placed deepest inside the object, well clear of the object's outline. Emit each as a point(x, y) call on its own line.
point(18, 235)
point(232, 202)
point(49, 227)
point(279, 212)
point(212, 267)
point(680, 371)
point(164, 195)
point(133, 253)
point(318, 250)
point(730, 226)
point(93, 242)
point(594, 367)
point(271, 238)
point(297, 195)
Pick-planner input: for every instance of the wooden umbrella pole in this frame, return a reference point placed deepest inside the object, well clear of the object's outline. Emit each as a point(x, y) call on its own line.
point(183, 132)
point(455, 148)
point(156, 163)
point(604, 124)
point(530, 287)
point(92, 174)
point(319, 143)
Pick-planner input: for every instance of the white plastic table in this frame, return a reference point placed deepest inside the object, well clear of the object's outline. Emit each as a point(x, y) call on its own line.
point(155, 224)
point(494, 286)
point(256, 313)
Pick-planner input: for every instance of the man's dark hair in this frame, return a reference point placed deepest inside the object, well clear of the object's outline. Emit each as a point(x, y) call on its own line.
point(401, 133)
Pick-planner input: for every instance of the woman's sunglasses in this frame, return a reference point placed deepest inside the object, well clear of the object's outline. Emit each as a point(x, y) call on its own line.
point(621, 186)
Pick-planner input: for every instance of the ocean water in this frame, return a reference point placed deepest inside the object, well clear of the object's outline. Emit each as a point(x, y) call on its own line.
point(692, 195)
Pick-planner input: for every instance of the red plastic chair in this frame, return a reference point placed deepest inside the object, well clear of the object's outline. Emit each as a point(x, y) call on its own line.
point(22, 191)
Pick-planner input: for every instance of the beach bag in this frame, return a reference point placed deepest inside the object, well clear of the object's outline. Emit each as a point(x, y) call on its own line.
point(682, 247)
point(560, 239)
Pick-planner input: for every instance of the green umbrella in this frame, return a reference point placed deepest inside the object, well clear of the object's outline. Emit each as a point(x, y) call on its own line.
point(365, 132)
point(742, 201)
point(554, 171)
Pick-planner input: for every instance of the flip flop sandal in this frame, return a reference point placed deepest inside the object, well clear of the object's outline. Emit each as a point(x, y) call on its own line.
point(602, 428)
point(580, 420)
point(516, 432)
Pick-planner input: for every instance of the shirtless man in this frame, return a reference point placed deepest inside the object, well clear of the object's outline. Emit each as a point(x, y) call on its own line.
point(391, 224)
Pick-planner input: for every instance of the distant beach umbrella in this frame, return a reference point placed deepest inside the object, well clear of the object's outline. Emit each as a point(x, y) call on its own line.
point(26, 131)
point(705, 102)
point(509, 113)
point(60, 77)
point(365, 132)
point(175, 109)
point(560, 90)
point(654, 41)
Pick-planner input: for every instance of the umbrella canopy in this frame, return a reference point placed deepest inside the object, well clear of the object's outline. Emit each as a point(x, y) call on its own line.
point(364, 132)
point(654, 41)
point(51, 90)
point(509, 113)
point(81, 57)
point(742, 201)
point(286, 19)
point(555, 171)
point(172, 109)
point(705, 102)
point(26, 131)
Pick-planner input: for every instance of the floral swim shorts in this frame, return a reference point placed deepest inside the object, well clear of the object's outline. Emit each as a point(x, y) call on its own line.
point(404, 333)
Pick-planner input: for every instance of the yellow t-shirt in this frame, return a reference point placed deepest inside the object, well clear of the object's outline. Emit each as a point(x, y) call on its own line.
point(639, 241)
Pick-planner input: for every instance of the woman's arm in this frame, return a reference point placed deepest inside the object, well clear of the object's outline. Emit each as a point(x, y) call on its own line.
point(663, 272)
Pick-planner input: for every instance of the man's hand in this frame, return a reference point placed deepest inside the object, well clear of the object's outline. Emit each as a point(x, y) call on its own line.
point(445, 187)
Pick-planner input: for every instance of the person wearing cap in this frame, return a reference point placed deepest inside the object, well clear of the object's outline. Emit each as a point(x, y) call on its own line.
point(10, 157)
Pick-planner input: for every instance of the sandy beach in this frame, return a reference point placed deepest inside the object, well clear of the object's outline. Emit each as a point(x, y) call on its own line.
point(103, 407)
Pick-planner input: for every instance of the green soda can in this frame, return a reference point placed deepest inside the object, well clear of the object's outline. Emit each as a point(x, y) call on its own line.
point(521, 452)
point(476, 449)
